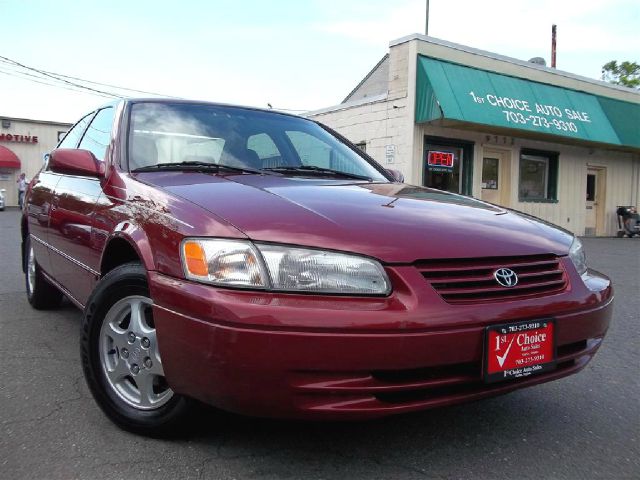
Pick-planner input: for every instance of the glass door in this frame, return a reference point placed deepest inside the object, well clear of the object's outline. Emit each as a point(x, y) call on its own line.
point(443, 168)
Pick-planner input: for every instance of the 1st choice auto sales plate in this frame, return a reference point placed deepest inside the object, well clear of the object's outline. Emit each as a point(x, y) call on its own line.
point(518, 350)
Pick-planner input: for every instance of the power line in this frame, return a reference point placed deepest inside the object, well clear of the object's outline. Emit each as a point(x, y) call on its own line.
point(63, 76)
point(112, 86)
point(59, 79)
point(46, 77)
point(41, 81)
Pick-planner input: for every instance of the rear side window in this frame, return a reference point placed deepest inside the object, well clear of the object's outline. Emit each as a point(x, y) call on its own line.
point(73, 137)
point(97, 137)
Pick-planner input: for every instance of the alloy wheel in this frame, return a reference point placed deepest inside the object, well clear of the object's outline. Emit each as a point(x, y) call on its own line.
point(129, 354)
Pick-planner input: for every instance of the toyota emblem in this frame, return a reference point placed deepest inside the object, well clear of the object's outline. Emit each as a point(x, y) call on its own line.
point(506, 277)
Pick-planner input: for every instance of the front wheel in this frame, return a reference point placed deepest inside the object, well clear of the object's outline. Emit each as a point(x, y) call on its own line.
point(121, 359)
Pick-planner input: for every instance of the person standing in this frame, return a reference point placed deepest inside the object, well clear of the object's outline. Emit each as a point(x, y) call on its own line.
point(22, 188)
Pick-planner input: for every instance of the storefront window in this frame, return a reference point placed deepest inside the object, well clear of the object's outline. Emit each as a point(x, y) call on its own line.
point(538, 176)
point(443, 168)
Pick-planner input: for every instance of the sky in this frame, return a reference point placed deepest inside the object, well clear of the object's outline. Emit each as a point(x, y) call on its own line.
point(298, 55)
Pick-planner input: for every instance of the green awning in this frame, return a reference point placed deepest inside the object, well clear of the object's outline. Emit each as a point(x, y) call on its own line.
point(465, 94)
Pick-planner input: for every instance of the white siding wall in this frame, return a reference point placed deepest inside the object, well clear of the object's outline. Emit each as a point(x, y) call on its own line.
point(570, 211)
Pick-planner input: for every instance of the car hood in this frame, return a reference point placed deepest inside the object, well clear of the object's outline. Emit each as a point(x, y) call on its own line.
point(396, 223)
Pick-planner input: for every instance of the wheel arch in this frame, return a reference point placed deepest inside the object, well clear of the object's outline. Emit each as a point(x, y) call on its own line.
point(126, 247)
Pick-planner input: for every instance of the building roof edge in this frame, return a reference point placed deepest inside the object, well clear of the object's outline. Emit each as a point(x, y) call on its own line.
point(514, 61)
point(31, 120)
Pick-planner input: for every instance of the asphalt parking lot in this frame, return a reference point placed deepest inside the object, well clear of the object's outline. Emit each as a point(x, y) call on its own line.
point(585, 426)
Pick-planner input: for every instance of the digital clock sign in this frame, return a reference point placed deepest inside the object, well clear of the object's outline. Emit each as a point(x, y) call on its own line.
point(440, 159)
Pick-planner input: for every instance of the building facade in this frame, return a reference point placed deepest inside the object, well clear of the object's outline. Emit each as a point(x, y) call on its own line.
point(548, 143)
point(23, 144)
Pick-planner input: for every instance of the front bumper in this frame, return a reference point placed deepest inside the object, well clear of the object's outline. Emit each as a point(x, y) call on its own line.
point(301, 356)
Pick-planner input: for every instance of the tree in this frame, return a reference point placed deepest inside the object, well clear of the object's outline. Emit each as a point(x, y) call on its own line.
point(625, 73)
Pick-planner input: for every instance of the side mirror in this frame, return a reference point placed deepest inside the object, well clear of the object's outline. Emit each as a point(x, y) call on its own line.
point(75, 162)
point(396, 175)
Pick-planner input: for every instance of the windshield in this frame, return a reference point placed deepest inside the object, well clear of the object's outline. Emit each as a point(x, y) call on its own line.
point(162, 133)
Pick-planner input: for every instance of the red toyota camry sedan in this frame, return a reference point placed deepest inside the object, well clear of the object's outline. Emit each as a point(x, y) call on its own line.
point(261, 263)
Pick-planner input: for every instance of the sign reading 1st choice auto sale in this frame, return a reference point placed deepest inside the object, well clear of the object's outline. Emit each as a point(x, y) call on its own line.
point(478, 96)
point(520, 112)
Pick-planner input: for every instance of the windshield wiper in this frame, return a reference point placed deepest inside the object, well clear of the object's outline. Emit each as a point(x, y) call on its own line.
point(317, 170)
point(196, 166)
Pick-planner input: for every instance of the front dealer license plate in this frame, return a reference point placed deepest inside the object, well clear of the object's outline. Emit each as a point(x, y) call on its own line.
point(518, 350)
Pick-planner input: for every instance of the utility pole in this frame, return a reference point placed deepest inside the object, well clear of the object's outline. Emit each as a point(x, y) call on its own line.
point(426, 20)
point(553, 45)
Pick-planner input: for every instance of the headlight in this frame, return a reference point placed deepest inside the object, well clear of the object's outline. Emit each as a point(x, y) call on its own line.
point(241, 263)
point(577, 256)
point(321, 271)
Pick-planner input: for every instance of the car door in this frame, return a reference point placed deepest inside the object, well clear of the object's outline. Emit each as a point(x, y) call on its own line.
point(40, 200)
point(74, 259)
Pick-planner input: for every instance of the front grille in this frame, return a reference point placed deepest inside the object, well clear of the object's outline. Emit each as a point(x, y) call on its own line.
point(471, 280)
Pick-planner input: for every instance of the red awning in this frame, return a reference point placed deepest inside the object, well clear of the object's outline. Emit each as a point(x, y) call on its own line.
point(8, 159)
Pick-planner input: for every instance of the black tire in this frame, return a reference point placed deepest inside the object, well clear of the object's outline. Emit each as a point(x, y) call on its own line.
point(119, 285)
point(40, 293)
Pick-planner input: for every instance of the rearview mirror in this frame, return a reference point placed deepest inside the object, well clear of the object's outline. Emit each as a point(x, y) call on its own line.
point(75, 162)
point(396, 175)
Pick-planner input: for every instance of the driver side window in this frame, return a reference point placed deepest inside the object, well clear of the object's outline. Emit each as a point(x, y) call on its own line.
point(97, 137)
point(71, 138)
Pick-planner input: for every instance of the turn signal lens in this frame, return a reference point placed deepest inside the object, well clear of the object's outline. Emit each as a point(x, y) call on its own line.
point(195, 260)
